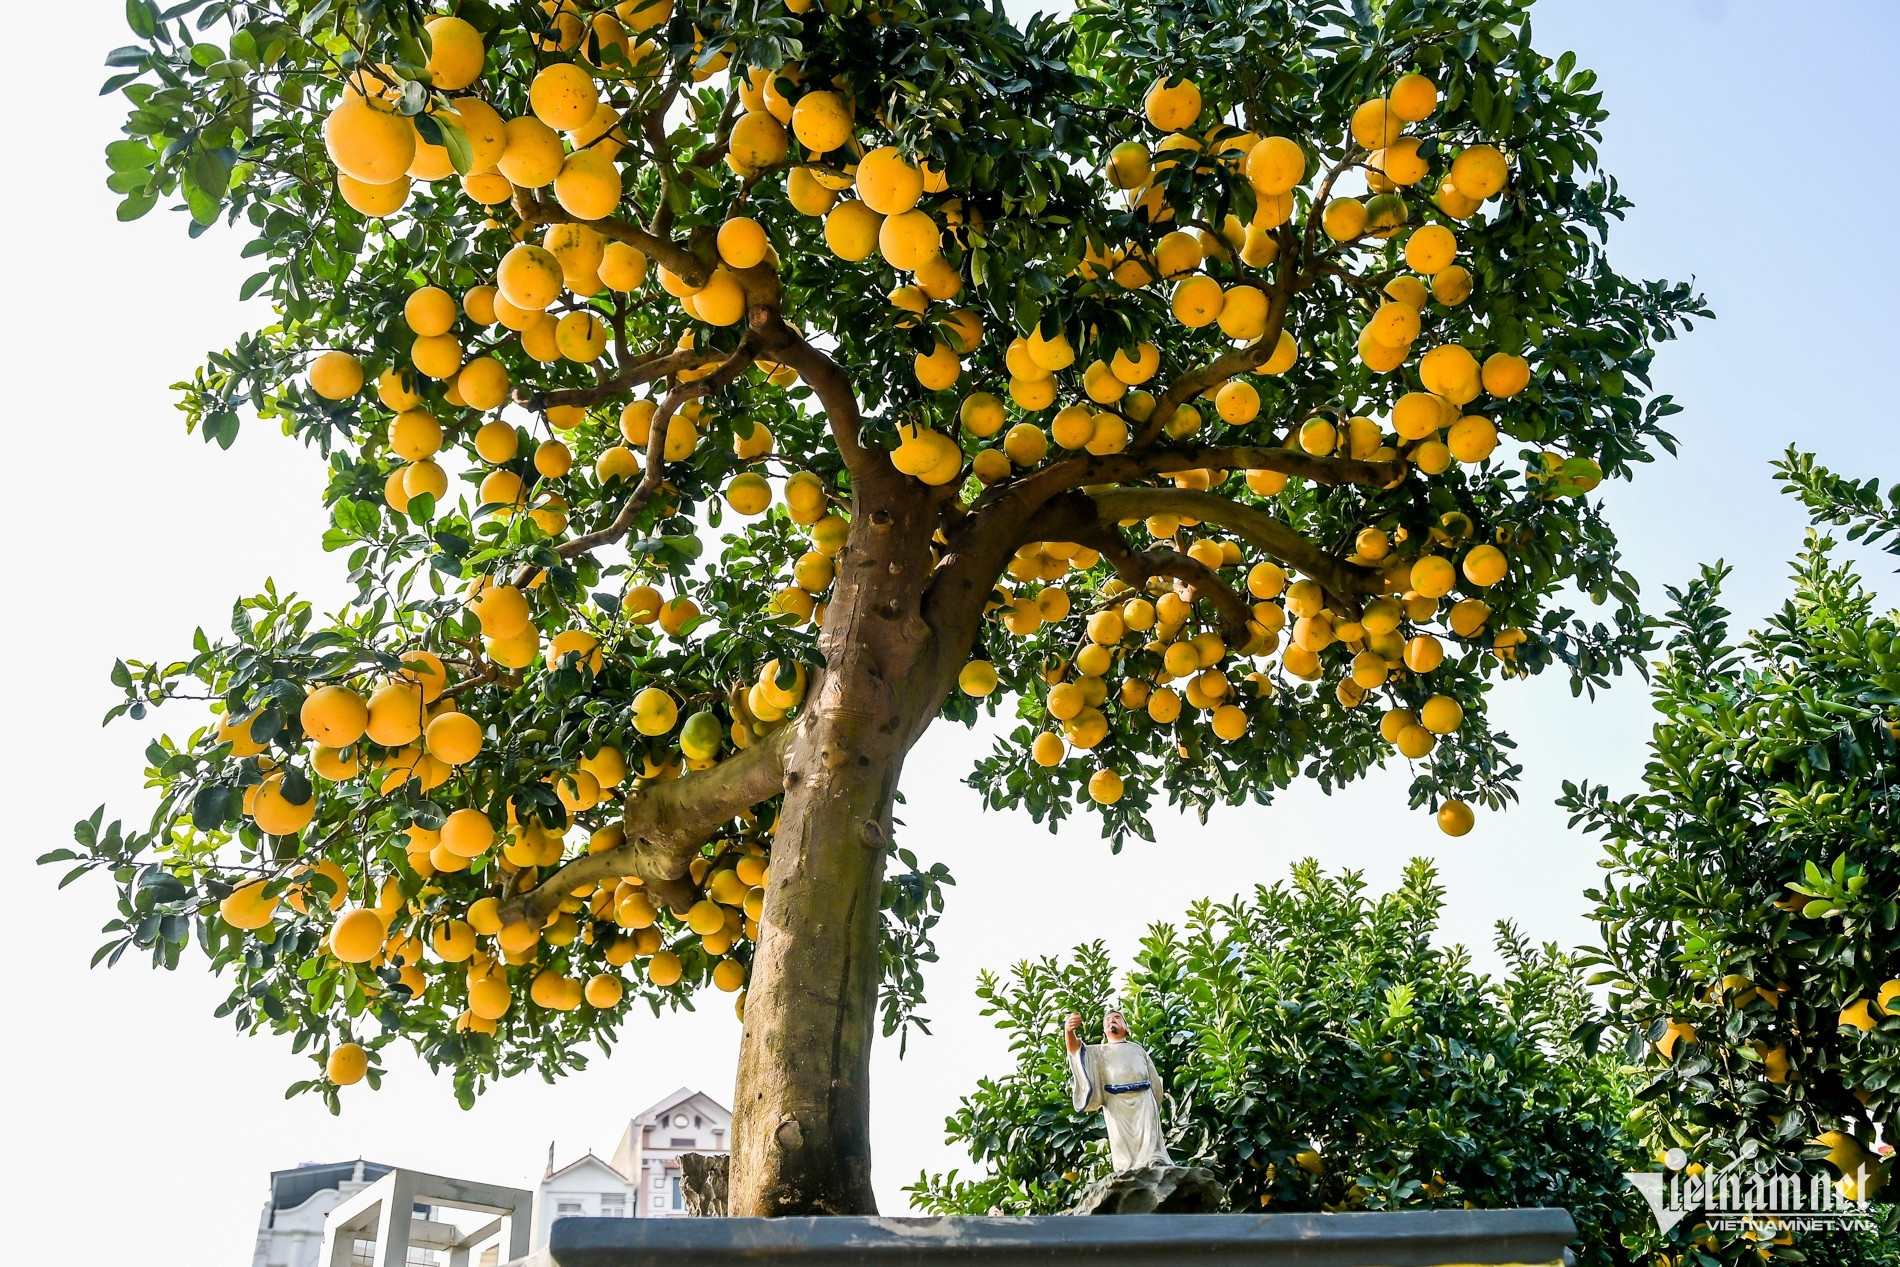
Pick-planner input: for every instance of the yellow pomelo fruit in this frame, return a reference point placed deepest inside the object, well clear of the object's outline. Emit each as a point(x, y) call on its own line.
point(467, 833)
point(1197, 301)
point(1344, 219)
point(622, 267)
point(909, 239)
point(414, 435)
point(248, 907)
point(665, 969)
point(887, 182)
point(742, 242)
point(1026, 444)
point(1455, 818)
point(604, 991)
point(563, 96)
point(1413, 97)
point(588, 186)
point(529, 277)
point(1243, 314)
point(455, 53)
point(501, 609)
point(1479, 172)
point(1430, 249)
point(334, 716)
point(369, 145)
point(1105, 787)
point(1376, 125)
point(1139, 368)
point(1171, 106)
point(852, 230)
point(455, 738)
point(374, 201)
point(1485, 566)
point(1275, 165)
point(532, 155)
point(483, 383)
point(336, 375)
point(804, 190)
point(938, 369)
point(749, 494)
point(358, 935)
point(1505, 375)
point(821, 121)
point(347, 1064)
point(758, 141)
point(654, 712)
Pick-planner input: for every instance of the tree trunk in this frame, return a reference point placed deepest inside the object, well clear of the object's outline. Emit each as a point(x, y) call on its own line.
point(801, 1129)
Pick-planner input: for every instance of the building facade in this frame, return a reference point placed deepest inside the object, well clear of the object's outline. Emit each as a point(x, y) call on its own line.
point(290, 1232)
point(642, 1179)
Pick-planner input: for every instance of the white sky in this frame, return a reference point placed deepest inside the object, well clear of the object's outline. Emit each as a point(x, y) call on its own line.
point(141, 1127)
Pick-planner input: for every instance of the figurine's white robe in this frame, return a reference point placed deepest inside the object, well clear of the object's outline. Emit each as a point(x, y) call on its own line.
point(1133, 1117)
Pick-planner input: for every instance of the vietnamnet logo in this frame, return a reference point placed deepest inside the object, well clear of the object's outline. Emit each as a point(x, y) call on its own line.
point(1730, 1200)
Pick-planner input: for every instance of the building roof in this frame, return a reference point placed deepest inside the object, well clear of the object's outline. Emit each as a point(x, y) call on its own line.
point(679, 1097)
point(582, 1161)
point(291, 1188)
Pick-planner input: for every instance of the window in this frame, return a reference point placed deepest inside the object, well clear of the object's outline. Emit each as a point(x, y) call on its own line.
point(422, 1258)
point(679, 1119)
point(566, 1209)
point(679, 1198)
point(362, 1253)
point(682, 1141)
point(613, 1205)
point(491, 1257)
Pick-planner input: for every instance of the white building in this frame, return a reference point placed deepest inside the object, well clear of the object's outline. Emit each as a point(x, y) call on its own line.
point(643, 1178)
point(290, 1232)
point(291, 1229)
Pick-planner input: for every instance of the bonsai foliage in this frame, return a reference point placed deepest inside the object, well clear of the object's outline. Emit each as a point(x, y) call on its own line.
point(713, 397)
point(1751, 914)
point(1319, 1053)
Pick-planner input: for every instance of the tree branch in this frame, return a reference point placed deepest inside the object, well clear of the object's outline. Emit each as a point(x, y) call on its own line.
point(826, 377)
point(676, 259)
point(666, 825)
point(1342, 581)
point(1191, 384)
point(650, 481)
point(1137, 566)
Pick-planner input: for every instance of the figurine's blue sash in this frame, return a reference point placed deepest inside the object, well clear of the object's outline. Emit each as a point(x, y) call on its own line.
point(1123, 1088)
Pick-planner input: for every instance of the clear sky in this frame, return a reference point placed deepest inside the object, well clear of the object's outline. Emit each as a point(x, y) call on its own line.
point(1755, 146)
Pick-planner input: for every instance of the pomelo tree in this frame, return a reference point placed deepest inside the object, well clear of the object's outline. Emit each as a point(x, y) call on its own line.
point(714, 397)
point(1752, 901)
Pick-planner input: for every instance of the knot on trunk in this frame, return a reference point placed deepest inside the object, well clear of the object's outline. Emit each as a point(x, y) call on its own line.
point(789, 1136)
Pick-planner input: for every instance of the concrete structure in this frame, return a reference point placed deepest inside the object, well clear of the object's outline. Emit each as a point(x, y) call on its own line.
point(1424, 1238)
point(405, 1218)
point(291, 1228)
point(642, 1180)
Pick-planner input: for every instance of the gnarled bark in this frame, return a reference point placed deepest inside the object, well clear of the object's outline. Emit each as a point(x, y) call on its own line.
point(801, 1130)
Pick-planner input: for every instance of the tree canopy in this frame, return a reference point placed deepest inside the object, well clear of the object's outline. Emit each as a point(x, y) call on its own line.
point(1319, 1053)
point(1751, 914)
point(713, 396)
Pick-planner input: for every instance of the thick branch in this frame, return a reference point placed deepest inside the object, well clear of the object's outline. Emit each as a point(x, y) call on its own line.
point(651, 480)
point(643, 368)
point(1239, 361)
point(666, 824)
point(1344, 582)
point(1137, 566)
point(675, 258)
point(826, 377)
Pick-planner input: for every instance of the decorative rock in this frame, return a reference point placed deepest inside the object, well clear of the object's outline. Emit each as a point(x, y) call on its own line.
point(1153, 1190)
point(703, 1184)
